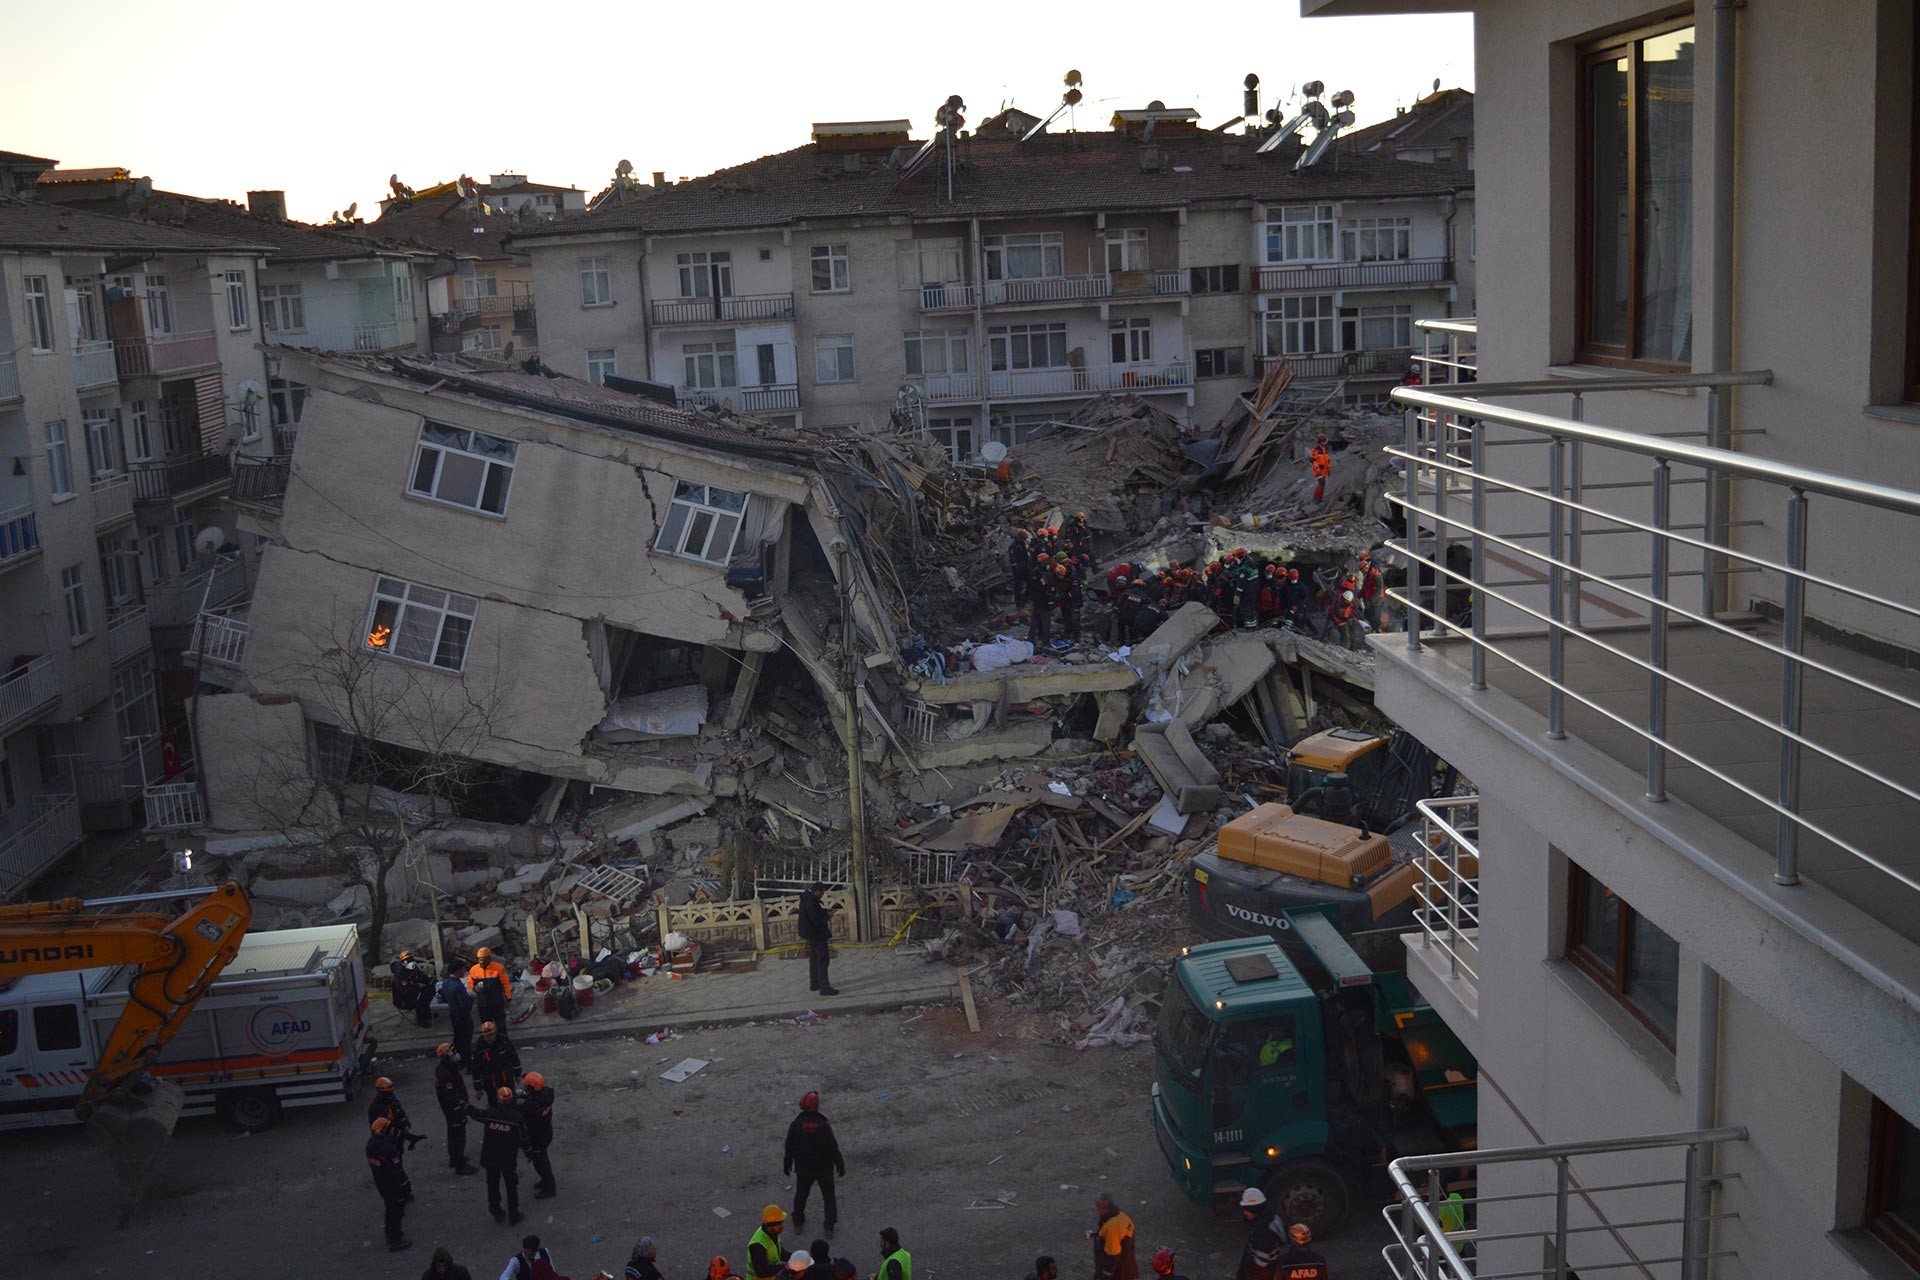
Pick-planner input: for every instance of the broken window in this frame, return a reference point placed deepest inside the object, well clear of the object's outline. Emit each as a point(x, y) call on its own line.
point(1301, 233)
point(702, 523)
point(420, 624)
point(464, 468)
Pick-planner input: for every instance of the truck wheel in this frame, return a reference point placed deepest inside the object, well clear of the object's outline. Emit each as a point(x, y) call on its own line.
point(1361, 1061)
point(1309, 1191)
point(254, 1110)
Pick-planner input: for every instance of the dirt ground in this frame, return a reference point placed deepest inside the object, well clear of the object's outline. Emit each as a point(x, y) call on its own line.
point(939, 1126)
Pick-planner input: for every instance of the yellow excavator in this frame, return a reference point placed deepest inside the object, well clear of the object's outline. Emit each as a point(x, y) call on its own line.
point(174, 960)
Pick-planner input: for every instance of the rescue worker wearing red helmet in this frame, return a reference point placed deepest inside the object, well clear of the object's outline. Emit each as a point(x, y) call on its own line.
point(813, 1156)
point(1299, 1262)
point(1164, 1264)
point(389, 1179)
point(387, 1104)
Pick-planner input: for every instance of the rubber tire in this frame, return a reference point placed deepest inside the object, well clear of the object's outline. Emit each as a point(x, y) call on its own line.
point(1360, 1058)
point(251, 1110)
point(1319, 1189)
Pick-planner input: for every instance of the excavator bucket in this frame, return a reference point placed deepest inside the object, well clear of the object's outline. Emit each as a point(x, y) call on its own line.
point(133, 1128)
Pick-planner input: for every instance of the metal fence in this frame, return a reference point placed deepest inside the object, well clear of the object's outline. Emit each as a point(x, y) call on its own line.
point(1448, 887)
point(38, 842)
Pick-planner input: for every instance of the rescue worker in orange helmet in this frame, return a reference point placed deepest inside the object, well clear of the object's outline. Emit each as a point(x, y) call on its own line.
point(386, 1103)
point(389, 1179)
point(491, 986)
point(1299, 1262)
point(536, 1108)
point(496, 1062)
point(450, 1091)
point(720, 1269)
point(503, 1134)
point(1320, 462)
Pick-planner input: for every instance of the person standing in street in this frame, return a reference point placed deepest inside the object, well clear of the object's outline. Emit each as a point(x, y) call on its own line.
point(1266, 1234)
point(764, 1258)
point(813, 1156)
point(1113, 1242)
point(390, 1180)
point(536, 1107)
point(821, 1265)
point(531, 1263)
point(459, 1002)
point(386, 1104)
point(641, 1265)
point(450, 1091)
point(496, 1063)
point(1299, 1262)
point(816, 930)
point(490, 985)
point(443, 1267)
point(895, 1263)
point(503, 1133)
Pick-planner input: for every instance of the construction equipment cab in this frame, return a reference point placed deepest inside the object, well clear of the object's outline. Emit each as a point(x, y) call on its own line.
point(1303, 1081)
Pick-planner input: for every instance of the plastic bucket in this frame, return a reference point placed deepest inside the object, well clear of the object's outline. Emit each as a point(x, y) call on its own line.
point(583, 990)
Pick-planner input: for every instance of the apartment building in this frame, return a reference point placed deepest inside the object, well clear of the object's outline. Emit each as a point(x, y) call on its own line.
point(124, 348)
point(1687, 482)
point(988, 284)
point(1438, 129)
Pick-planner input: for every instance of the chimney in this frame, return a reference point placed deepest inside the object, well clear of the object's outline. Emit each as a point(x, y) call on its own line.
point(1460, 158)
point(268, 204)
point(659, 178)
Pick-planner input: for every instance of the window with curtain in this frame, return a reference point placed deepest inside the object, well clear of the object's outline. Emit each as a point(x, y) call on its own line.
point(1629, 956)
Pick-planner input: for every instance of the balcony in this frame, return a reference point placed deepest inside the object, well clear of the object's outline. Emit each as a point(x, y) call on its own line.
point(261, 480)
point(1397, 273)
point(31, 844)
point(120, 782)
point(165, 353)
point(27, 690)
point(1049, 384)
point(777, 398)
point(94, 365)
point(362, 336)
point(19, 536)
point(128, 633)
point(1049, 289)
point(1151, 284)
point(727, 310)
point(112, 500)
point(180, 479)
point(173, 806)
point(948, 297)
point(1381, 362)
point(9, 378)
point(181, 601)
point(219, 639)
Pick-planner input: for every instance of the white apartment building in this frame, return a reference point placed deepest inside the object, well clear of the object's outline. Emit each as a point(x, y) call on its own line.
point(1683, 498)
point(993, 283)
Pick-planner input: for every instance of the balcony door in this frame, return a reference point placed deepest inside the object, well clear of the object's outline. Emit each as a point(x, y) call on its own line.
point(766, 356)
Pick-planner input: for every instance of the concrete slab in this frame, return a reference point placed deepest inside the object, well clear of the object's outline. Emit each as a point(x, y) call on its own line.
point(1016, 741)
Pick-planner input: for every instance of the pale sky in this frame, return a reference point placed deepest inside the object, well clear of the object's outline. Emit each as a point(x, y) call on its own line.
point(324, 100)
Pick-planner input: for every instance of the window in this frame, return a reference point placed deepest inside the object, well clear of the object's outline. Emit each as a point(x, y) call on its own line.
point(285, 400)
point(39, 313)
point(88, 323)
point(955, 434)
point(1131, 339)
point(833, 358)
point(483, 284)
point(485, 338)
point(1634, 226)
point(464, 468)
point(1017, 428)
point(1295, 326)
point(103, 443)
point(1224, 279)
point(1628, 956)
point(157, 571)
point(1220, 362)
point(709, 364)
point(56, 1027)
point(1028, 346)
point(159, 307)
point(173, 431)
point(1126, 248)
point(1036, 255)
point(596, 283)
point(925, 262)
point(134, 707)
point(702, 523)
point(1377, 239)
point(1302, 233)
point(1375, 328)
point(118, 561)
point(59, 461)
point(403, 292)
point(705, 275)
point(830, 274)
point(282, 310)
point(1893, 1184)
point(237, 315)
point(602, 364)
point(183, 545)
point(420, 624)
point(937, 351)
point(9, 1018)
point(73, 585)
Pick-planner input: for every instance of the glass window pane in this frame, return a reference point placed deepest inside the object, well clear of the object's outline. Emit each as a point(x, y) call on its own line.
point(699, 526)
point(460, 478)
point(1609, 205)
point(1600, 923)
point(434, 433)
point(726, 499)
point(1903, 1183)
point(429, 597)
point(451, 652)
point(673, 529)
point(1666, 197)
point(494, 497)
point(1653, 974)
point(418, 631)
point(423, 470)
point(722, 544)
point(380, 631)
point(493, 447)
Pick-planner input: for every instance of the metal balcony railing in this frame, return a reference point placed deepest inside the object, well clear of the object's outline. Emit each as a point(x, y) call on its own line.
point(1049, 289)
point(9, 378)
point(1044, 384)
point(165, 353)
point(128, 632)
point(27, 690)
point(345, 335)
point(94, 365)
point(173, 479)
point(174, 806)
point(1597, 1219)
point(1379, 362)
point(19, 535)
point(1449, 351)
point(725, 310)
point(948, 297)
point(1447, 890)
point(1389, 273)
point(38, 842)
point(181, 601)
point(767, 399)
point(112, 499)
point(219, 638)
point(261, 480)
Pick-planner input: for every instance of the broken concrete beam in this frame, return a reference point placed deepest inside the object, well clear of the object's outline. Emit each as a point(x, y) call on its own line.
point(1018, 741)
point(313, 891)
point(1114, 706)
point(350, 900)
point(495, 917)
point(482, 936)
point(654, 814)
point(701, 833)
point(1191, 623)
point(1024, 682)
point(528, 878)
point(1232, 666)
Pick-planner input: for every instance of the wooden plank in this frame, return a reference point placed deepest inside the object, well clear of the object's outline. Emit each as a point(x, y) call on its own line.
point(966, 1002)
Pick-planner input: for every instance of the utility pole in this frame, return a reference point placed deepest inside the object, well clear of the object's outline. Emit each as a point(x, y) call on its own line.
point(856, 766)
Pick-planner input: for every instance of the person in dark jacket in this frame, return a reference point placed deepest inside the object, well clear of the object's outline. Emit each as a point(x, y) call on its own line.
point(387, 1103)
point(390, 1180)
point(1113, 1242)
point(1019, 567)
point(496, 1063)
point(536, 1106)
point(459, 1002)
point(1045, 1268)
point(813, 1155)
point(822, 1266)
point(450, 1091)
point(1266, 1233)
point(503, 1134)
point(641, 1265)
point(1299, 1262)
point(443, 1267)
point(816, 930)
point(412, 988)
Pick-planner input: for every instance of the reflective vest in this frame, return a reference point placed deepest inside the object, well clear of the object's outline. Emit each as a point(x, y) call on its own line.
point(902, 1259)
point(768, 1245)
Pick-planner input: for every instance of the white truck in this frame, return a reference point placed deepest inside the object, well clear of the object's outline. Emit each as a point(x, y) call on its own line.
point(284, 1026)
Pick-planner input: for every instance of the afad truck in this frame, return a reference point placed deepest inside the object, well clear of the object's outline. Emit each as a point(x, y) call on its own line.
point(1304, 1079)
point(284, 1025)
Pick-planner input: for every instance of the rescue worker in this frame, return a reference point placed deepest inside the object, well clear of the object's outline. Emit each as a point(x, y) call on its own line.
point(821, 1265)
point(390, 1179)
point(491, 986)
point(1343, 620)
point(1268, 600)
point(813, 1156)
point(503, 1134)
point(1113, 1242)
point(1294, 599)
point(1079, 535)
point(1127, 600)
point(798, 1263)
point(815, 925)
point(1266, 1233)
point(536, 1109)
point(526, 1264)
point(1246, 591)
point(412, 988)
point(1164, 1263)
point(1299, 1262)
point(1066, 594)
point(895, 1263)
point(1045, 1268)
point(496, 1063)
point(443, 1267)
point(1019, 566)
point(1118, 577)
point(764, 1258)
point(1040, 617)
point(1373, 592)
point(1320, 462)
point(450, 1091)
point(1148, 617)
point(641, 1265)
point(720, 1269)
point(387, 1104)
point(459, 1002)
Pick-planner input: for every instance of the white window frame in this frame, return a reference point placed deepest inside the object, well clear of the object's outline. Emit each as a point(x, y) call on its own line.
point(73, 586)
point(1012, 346)
point(958, 435)
point(159, 306)
point(710, 365)
point(602, 363)
point(937, 351)
point(403, 292)
point(1022, 250)
point(156, 557)
point(706, 515)
point(101, 431)
point(1355, 322)
point(1130, 339)
point(1291, 319)
point(115, 573)
point(441, 448)
point(596, 282)
point(239, 316)
point(140, 424)
point(1302, 233)
point(833, 358)
point(1376, 240)
point(136, 711)
point(944, 254)
point(39, 307)
point(838, 274)
point(89, 322)
point(400, 606)
point(482, 284)
point(183, 545)
point(286, 401)
point(59, 459)
point(486, 337)
point(705, 273)
point(1127, 249)
point(282, 308)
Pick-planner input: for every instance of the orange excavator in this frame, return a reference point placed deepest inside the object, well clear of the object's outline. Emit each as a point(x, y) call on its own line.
point(174, 960)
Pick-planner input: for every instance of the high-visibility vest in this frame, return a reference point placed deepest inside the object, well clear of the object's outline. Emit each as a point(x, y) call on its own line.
point(905, 1260)
point(767, 1243)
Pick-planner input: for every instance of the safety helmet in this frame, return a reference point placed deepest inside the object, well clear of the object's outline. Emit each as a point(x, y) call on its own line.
point(444, 1051)
point(718, 1269)
point(1163, 1262)
point(483, 955)
point(503, 1094)
point(1239, 552)
point(1293, 575)
point(1365, 556)
point(1346, 595)
point(404, 954)
point(487, 1028)
point(1079, 515)
point(381, 1124)
point(1323, 437)
point(1042, 558)
point(810, 1101)
point(1299, 1233)
point(1020, 534)
point(1252, 1198)
point(1059, 571)
point(773, 1213)
point(798, 1261)
point(384, 1084)
point(1123, 582)
point(535, 1080)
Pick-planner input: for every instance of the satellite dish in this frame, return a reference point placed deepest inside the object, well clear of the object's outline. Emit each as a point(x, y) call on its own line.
point(1252, 80)
point(1071, 97)
point(1436, 84)
point(1073, 80)
point(209, 540)
point(1156, 105)
point(994, 451)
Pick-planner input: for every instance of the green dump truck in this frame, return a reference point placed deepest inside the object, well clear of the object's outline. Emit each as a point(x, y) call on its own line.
point(1302, 1080)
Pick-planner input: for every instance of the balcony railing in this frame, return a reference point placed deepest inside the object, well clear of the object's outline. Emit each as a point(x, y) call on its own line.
point(128, 633)
point(262, 480)
point(27, 690)
point(9, 378)
point(165, 353)
point(769, 399)
point(175, 479)
point(38, 842)
point(181, 601)
point(382, 335)
point(764, 306)
point(1049, 289)
point(112, 782)
point(219, 638)
point(1039, 384)
point(1449, 350)
point(1404, 273)
point(94, 365)
point(19, 535)
point(174, 806)
point(112, 499)
point(1172, 282)
point(1448, 888)
point(948, 297)
point(1380, 362)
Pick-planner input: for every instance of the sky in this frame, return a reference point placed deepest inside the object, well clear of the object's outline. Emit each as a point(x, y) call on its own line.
point(324, 101)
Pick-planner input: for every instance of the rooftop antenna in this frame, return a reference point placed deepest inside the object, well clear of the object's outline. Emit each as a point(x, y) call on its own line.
point(1310, 110)
point(1146, 134)
point(1250, 100)
point(1330, 127)
point(1068, 100)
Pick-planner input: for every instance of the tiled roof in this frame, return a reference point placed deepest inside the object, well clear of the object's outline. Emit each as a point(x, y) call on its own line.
point(445, 224)
point(225, 220)
point(1434, 121)
point(40, 225)
point(21, 157)
point(999, 176)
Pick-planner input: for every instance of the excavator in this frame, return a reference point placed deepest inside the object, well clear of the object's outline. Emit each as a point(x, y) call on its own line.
point(174, 960)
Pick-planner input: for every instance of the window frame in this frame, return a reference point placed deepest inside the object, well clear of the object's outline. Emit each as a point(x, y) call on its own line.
point(239, 315)
point(1902, 1238)
point(73, 589)
point(694, 501)
point(1358, 232)
point(158, 300)
point(59, 459)
point(602, 363)
point(1003, 339)
point(1325, 234)
point(708, 273)
point(100, 430)
point(89, 319)
point(1200, 279)
point(1130, 340)
point(404, 603)
point(38, 299)
point(1131, 243)
point(281, 303)
point(1615, 978)
point(838, 264)
point(442, 449)
point(720, 356)
point(998, 253)
point(596, 280)
point(1274, 318)
point(916, 343)
point(1208, 364)
point(1585, 349)
point(840, 346)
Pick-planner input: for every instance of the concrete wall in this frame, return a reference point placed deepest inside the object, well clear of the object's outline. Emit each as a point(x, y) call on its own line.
point(568, 330)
